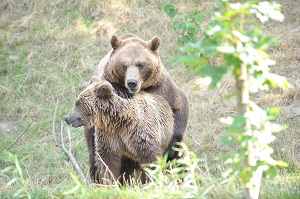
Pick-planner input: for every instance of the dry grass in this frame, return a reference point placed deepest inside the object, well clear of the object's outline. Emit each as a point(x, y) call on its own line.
point(49, 49)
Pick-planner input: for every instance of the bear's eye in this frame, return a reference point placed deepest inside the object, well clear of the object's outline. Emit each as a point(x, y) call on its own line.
point(124, 66)
point(140, 66)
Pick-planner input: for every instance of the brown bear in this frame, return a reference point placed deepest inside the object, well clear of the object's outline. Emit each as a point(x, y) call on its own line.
point(139, 128)
point(134, 65)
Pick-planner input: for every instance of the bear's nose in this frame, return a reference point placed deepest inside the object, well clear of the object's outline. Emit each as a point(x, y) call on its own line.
point(132, 83)
point(66, 119)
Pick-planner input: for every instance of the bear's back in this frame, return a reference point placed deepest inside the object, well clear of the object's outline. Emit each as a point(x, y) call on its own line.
point(157, 116)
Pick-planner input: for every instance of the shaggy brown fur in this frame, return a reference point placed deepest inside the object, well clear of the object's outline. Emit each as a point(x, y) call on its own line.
point(140, 127)
point(134, 64)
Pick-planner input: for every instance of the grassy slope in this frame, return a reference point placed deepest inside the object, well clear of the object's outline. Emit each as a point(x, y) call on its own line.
point(48, 50)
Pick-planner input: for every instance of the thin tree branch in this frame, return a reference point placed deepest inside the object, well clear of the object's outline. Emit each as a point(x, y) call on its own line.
point(32, 120)
point(106, 172)
point(296, 29)
point(70, 140)
point(53, 123)
point(71, 157)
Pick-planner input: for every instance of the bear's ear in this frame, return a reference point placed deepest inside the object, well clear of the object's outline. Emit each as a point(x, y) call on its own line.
point(95, 79)
point(154, 43)
point(115, 42)
point(103, 90)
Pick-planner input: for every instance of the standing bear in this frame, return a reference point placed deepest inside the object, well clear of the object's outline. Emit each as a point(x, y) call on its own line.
point(139, 128)
point(134, 65)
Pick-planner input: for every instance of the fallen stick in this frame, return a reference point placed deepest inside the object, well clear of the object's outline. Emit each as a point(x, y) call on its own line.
point(71, 157)
point(296, 29)
point(32, 120)
point(53, 123)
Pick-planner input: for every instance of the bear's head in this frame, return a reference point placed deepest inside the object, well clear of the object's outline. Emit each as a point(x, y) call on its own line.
point(135, 63)
point(89, 103)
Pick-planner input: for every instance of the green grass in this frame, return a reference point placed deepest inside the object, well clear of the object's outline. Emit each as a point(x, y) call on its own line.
point(48, 51)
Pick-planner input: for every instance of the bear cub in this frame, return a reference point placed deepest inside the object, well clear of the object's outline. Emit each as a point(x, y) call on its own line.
point(139, 127)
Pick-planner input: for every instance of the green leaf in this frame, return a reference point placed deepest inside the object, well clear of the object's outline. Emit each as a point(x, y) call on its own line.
point(208, 46)
point(237, 125)
point(271, 82)
point(214, 29)
point(196, 14)
point(244, 140)
point(272, 112)
point(227, 139)
point(170, 10)
point(185, 38)
point(275, 81)
point(271, 172)
point(282, 163)
point(181, 15)
point(191, 47)
point(226, 49)
point(276, 15)
point(177, 25)
point(246, 175)
point(233, 158)
point(230, 60)
point(265, 10)
point(214, 72)
point(190, 59)
point(243, 38)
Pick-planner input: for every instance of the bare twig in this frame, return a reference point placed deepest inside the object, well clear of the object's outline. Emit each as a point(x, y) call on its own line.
point(71, 157)
point(53, 123)
point(70, 140)
point(296, 29)
point(32, 120)
point(107, 171)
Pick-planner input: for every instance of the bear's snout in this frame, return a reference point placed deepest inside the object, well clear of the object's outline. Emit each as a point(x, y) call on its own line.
point(76, 122)
point(133, 79)
point(132, 83)
point(67, 120)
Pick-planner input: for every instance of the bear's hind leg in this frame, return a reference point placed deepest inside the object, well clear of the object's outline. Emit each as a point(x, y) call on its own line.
point(128, 169)
point(148, 155)
point(108, 167)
